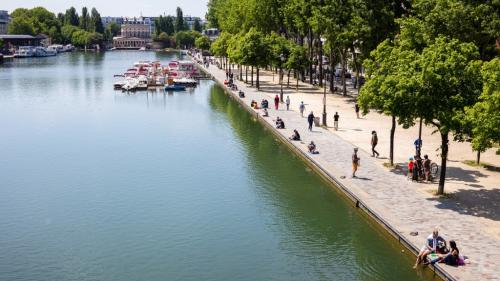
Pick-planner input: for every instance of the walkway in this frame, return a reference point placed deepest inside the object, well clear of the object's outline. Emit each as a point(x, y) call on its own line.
point(389, 195)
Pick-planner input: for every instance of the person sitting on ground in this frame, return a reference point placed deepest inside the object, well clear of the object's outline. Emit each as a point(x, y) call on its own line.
point(234, 87)
point(265, 103)
point(253, 104)
point(279, 123)
point(265, 113)
point(451, 258)
point(312, 148)
point(429, 247)
point(295, 136)
point(241, 94)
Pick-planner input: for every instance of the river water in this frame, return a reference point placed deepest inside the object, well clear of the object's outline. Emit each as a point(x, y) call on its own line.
point(96, 184)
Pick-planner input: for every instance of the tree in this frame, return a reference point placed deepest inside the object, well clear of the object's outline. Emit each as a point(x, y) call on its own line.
point(255, 51)
point(67, 33)
point(179, 20)
point(113, 28)
point(21, 25)
point(297, 61)
point(96, 21)
point(197, 25)
point(71, 17)
point(211, 14)
point(484, 116)
point(85, 19)
point(186, 39)
point(202, 43)
point(450, 77)
point(392, 80)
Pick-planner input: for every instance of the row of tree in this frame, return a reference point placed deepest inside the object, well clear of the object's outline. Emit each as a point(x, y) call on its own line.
point(175, 32)
point(429, 60)
point(69, 27)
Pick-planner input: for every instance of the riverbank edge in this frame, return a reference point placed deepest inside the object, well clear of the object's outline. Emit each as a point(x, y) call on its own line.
point(438, 270)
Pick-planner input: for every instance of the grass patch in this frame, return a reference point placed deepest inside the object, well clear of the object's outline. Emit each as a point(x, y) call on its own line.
point(485, 165)
point(443, 196)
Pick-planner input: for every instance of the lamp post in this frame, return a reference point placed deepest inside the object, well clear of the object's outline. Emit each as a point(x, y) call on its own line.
point(282, 59)
point(324, 88)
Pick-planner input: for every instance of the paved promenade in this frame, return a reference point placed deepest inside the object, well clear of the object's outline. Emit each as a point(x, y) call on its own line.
point(388, 195)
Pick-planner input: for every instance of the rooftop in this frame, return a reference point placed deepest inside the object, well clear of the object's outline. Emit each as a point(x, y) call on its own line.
point(16, 36)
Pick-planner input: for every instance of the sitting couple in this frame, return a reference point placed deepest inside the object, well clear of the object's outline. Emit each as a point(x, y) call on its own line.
point(254, 105)
point(279, 123)
point(312, 148)
point(435, 244)
point(295, 136)
point(264, 104)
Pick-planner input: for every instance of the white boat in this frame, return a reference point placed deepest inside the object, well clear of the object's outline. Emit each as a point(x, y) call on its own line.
point(142, 83)
point(68, 48)
point(130, 84)
point(142, 49)
point(44, 52)
point(25, 52)
point(185, 81)
point(58, 48)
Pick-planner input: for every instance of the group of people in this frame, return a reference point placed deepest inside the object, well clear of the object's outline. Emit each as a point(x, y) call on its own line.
point(419, 168)
point(436, 245)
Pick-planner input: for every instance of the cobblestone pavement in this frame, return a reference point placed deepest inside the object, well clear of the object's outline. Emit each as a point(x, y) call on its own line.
point(389, 195)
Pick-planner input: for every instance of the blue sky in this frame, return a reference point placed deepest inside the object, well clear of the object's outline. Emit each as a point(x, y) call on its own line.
point(115, 8)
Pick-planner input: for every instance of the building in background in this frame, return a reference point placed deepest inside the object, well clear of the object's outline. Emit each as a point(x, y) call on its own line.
point(135, 34)
point(4, 21)
point(212, 33)
point(12, 42)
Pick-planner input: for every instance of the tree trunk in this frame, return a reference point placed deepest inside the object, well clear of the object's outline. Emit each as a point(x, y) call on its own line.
point(444, 156)
point(257, 79)
point(320, 62)
point(288, 77)
point(478, 157)
point(391, 147)
point(241, 72)
point(332, 71)
point(246, 74)
point(310, 43)
point(297, 85)
point(251, 77)
point(344, 62)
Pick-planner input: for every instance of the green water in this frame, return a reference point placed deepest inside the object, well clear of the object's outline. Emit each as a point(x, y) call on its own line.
point(101, 185)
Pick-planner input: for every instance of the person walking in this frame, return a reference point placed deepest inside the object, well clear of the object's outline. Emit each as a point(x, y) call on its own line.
point(302, 107)
point(355, 162)
point(310, 120)
point(336, 121)
point(374, 143)
point(356, 108)
point(276, 102)
point(287, 102)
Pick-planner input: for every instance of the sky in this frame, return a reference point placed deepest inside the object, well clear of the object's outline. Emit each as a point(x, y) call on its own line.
point(114, 7)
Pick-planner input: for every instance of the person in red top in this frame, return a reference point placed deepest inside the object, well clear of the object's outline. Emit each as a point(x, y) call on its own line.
point(276, 101)
point(410, 168)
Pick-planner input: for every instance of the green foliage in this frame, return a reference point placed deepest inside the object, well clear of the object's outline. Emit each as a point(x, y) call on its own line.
point(85, 19)
point(1, 43)
point(280, 49)
point(71, 17)
point(96, 21)
point(67, 33)
point(114, 29)
point(197, 25)
point(297, 59)
point(254, 49)
point(220, 46)
point(484, 116)
point(179, 21)
point(21, 25)
point(186, 39)
point(82, 38)
point(202, 43)
point(164, 24)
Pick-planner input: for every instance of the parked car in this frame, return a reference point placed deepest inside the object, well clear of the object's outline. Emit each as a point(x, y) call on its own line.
point(361, 80)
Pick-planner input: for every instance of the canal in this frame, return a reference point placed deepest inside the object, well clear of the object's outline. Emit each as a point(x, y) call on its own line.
point(101, 185)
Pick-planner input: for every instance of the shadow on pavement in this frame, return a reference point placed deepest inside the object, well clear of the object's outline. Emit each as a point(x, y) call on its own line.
point(479, 203)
